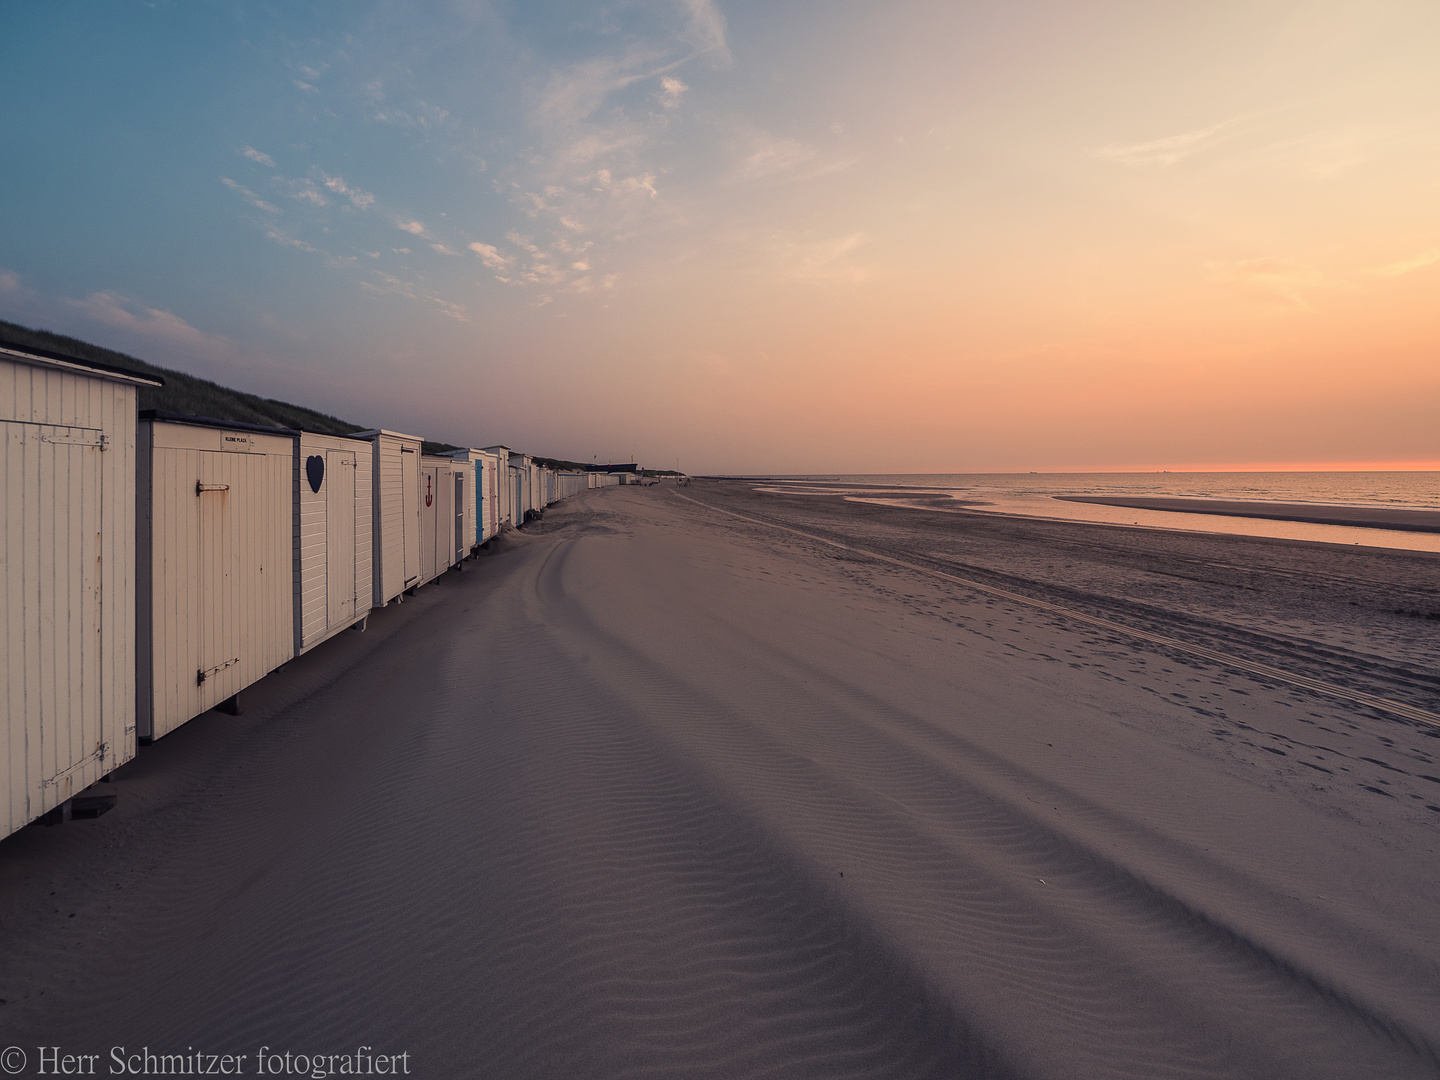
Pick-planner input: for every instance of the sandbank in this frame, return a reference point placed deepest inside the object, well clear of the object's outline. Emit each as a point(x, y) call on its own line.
point(1371, 517)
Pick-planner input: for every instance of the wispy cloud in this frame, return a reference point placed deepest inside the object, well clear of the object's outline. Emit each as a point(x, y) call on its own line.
point(422, 116)
point(773, 157)
point(284, 239)
point(491, 255)
point(574, 93)
point(601, 144)
point(1272, 279)
point(593, 146)
point(389, 283)
point(764, 157)
point(625, 185)
point(361, 200)
point(113, 309)
point(255, 155)
point(821, 261)
point(671, 91)
point(1407, 266)
point(1167, 151)
point(249, 196)
point(306, 191)
point(705, 31)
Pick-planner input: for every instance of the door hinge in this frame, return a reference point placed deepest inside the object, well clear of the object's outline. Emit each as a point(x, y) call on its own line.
point(201, 676)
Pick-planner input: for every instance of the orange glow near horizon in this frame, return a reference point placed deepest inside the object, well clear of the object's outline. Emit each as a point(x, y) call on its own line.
point(914, 237)
point(1269, 467)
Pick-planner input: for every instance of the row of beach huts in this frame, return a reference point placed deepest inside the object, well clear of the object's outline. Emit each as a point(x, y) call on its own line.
point(157, 564)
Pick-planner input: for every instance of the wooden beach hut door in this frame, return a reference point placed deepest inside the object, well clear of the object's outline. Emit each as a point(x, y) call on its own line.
point(429, 497)
point(339, 536)
point(410, 511)
point(217, 597)
point(462, 542)
point(53, 586)
point(481, 506)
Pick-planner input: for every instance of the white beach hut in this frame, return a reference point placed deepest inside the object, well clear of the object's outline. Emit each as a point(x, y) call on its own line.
point(67, 679)
point(395, 513)
point(472, 510)
point(505, 486)
point(488, 472)
point(334, 533)
point(214, 563)
point(523, 483)
point(443, 498)
point(480, 506)
point(519, 488)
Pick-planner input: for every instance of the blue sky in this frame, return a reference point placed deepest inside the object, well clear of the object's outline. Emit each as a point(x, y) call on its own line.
point(788, 236)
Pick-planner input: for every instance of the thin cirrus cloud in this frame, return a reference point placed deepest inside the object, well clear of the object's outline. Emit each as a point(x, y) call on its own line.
point(492, 256)
point(361, 200)
point(122, 312)
point(705, 31)
point(1407, 266)
point(1167, 151)
point(115, 310)
point(1280, 280)
point(671, 91)
point(765, 157)
point(249, 196)
point(304, 190)
point(312, 193)
point(590, 170)
point(574, 93)
point(379, 281)
point(830, 261)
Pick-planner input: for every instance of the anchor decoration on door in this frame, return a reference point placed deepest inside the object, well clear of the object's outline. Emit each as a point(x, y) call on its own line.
point(429, 494)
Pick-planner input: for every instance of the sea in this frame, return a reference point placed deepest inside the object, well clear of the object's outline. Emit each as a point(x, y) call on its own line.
point(1034, 495)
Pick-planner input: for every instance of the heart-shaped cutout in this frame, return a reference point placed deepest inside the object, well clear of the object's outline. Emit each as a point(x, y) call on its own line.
point(315, 471)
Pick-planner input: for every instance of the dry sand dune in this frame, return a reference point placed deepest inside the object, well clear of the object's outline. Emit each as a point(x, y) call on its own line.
point(658, 791)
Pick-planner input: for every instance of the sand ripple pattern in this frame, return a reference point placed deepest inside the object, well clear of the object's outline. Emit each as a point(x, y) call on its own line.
point(638, 799)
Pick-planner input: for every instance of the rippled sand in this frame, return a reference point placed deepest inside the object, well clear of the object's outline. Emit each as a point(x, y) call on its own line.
point(661, 791)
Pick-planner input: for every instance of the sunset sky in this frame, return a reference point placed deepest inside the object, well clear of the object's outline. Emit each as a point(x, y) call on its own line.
point(779, 236)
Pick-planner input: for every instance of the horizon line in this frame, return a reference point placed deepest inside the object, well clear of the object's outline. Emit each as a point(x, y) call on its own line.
point(1249, 467)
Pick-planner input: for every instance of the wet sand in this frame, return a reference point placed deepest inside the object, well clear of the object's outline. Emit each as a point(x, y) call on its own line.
point(661, 791)
point(1371, 517)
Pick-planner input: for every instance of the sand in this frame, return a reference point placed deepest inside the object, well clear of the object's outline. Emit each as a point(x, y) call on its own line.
point(1370, 517)
point(660, 791)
